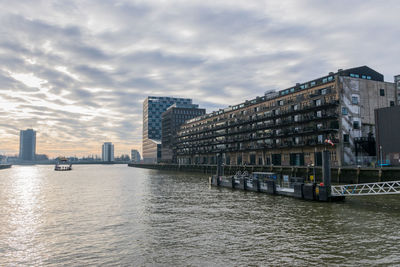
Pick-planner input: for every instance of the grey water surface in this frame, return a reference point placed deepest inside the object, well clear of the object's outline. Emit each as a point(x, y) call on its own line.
point(116, 215)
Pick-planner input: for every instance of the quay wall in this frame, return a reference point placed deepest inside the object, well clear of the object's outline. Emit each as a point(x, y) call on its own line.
point(343, 175)
point(5, 166)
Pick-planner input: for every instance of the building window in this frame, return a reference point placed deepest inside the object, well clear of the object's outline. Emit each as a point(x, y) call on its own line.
point(382, 92)
point(354, 100)
point(297, 140)
point(391, 103)
point(319, 114)
point(346, 138)
point(320, 139)
point(344, 111)
point(318, 102)
point(356, 124)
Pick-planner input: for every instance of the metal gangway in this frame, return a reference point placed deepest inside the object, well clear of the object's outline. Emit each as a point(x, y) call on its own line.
point(368, 189)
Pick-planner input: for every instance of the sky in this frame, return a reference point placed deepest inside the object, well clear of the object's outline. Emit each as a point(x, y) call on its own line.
point(77, 72)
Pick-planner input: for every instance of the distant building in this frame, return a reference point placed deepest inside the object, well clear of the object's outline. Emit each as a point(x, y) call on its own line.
point(135, 156)
point(107, 152)
point(123, 158)
point(41, 157)
point(387, 135)
point(27, 144)
point(172, 119)
point(293, 126)
point(397, 84)
point(153, 107)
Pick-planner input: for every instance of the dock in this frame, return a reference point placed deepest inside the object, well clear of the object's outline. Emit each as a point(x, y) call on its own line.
point(297, 187)
point(274, 186)
point(340, 175)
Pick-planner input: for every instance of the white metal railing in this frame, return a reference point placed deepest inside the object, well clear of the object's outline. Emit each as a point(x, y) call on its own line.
point(381, 188)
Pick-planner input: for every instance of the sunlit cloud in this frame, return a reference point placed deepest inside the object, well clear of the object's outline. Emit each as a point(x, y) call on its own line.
point(29, 79)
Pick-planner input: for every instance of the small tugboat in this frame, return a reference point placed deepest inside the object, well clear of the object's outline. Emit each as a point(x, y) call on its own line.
point(63, 165)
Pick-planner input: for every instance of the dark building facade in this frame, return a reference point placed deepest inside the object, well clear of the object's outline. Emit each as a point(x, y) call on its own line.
point(387, 135)
point(397, 83)
point(27, 144)
point(153, 107)
point(172, 119)
point(290, 127)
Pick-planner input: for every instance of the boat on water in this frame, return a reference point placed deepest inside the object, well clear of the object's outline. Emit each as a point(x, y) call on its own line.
point(63, 165)
point(3, 163)
point(5, 166)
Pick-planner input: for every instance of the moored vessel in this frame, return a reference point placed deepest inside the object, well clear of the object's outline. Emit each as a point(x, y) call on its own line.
point(63, 165)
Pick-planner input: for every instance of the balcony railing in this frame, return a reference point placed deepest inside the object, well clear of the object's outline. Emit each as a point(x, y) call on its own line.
point(258, 118)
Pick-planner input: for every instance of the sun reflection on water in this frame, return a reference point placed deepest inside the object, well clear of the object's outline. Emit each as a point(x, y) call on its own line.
point(24, 215)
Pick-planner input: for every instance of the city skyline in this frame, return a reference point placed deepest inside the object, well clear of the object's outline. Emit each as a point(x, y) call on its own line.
point(78, 72)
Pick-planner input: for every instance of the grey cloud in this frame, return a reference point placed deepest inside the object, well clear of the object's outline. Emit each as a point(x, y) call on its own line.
point(83, 51)
point(120, 52)
point(159, 58)
point(94, 75)
point(38, 29)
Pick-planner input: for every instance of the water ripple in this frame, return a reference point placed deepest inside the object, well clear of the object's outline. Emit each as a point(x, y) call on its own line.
point(114, 215)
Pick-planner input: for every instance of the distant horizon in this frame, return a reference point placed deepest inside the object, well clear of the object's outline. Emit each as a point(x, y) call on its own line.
point(55, 155)
point(78, 72)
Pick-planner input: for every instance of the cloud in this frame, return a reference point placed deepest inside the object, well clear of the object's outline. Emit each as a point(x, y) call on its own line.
point(78, 71)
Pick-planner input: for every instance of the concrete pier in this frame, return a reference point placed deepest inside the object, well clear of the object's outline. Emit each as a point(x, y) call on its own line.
point(339, 175)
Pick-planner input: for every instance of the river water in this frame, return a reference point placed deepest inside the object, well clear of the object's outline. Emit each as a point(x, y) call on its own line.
point(116, 215)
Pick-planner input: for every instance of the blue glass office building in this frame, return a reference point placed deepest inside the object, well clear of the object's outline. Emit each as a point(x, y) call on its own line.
point(27, 144)
point(153, 107)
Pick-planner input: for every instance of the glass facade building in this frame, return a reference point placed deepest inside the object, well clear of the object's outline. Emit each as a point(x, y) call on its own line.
point(153, 108)
point(27, 144)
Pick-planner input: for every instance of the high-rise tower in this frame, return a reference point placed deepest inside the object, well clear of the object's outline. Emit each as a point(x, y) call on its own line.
point(107, 152)
point(27, 144)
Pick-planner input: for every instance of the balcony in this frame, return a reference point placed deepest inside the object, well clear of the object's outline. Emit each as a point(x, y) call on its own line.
point(258, 118)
